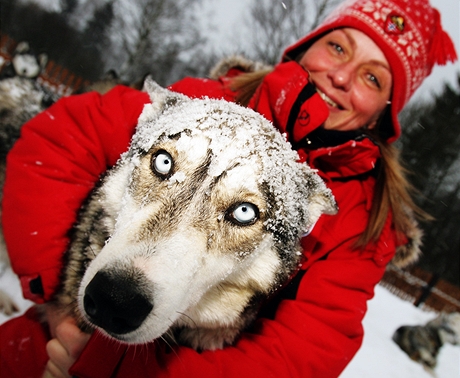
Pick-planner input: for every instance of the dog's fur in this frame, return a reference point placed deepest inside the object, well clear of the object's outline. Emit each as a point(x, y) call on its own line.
point(196, 224)
point(423, 342)
point(24, 63)
point(21, 98)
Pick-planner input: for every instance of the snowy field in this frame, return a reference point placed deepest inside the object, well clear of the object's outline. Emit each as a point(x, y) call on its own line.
point(379, 356)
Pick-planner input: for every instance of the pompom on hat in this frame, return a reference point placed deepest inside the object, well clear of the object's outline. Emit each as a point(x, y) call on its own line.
point(409, 33)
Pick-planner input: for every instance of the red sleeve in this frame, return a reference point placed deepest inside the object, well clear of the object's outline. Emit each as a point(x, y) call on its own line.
point(51, 170)
point(198, 87)
point(315, 335)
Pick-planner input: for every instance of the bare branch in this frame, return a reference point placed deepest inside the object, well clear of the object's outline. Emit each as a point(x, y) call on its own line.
point(273, 25)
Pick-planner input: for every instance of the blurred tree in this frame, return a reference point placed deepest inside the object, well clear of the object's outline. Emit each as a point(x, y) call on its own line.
point(133, 37)
point(431, 149)
point(273, 25)
point(49, 32)
point(68, 6)
point(96, 32)
point(152, 37)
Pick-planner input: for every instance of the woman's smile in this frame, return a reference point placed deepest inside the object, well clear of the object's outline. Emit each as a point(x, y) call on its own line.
point(353, 77)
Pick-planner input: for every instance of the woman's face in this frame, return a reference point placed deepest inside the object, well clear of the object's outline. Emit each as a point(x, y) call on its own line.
point(352, 75)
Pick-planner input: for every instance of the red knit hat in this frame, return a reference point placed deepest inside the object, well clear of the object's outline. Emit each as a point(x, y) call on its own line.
point(409, 33)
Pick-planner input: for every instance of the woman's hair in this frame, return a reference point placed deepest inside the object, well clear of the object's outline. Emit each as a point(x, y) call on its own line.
point(245, 85)
point(393, 191)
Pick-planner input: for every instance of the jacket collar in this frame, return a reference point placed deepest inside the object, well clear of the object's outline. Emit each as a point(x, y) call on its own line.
point(351, 159)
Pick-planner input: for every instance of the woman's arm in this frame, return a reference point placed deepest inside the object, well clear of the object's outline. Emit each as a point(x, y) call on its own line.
point(50, 171)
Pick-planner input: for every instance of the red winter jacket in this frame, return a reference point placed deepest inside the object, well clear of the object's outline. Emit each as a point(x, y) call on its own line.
point(316, 328)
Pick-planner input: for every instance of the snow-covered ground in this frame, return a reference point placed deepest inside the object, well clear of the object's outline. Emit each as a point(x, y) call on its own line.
point(9, 284)
point(379, 356)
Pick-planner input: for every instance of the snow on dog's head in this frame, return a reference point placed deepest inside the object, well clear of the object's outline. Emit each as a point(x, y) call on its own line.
point(205, 213)
point(240, 135)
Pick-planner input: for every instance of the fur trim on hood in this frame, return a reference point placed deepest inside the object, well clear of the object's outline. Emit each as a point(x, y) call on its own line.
point(236, 61)
point(409, 253)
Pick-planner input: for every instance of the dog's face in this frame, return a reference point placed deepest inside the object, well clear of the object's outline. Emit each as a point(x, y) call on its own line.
point(205, 213)
point(27, 64)
point(421, 343)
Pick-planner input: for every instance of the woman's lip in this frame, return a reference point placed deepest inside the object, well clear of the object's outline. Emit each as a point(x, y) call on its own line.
point(327, 99)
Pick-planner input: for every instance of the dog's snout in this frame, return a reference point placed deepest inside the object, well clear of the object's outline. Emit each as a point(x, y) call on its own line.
point(115, 303)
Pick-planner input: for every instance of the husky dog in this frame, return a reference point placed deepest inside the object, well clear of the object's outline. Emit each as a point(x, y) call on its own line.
point(7, 304)
point(20, 99)
point(195, 225)
point(24, 63)
point(422, 343)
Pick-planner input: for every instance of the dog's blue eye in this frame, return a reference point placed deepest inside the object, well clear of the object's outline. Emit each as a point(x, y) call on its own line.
point(162, 163)
point(244, 214)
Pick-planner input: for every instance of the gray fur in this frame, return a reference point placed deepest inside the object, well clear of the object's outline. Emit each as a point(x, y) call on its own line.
point(422, 343)
point(20, 99)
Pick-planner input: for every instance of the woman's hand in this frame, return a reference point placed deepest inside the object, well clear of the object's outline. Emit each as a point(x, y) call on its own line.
point(65, 348)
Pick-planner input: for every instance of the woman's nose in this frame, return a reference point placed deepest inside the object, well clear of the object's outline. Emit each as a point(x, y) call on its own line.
point(341, 76)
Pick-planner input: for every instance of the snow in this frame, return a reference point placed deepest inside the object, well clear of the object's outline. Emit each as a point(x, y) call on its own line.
point(379, 357)
point(177, 177)
point(236, 136)
point(9, 283)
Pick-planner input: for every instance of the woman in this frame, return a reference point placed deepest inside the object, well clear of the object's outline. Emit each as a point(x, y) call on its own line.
point(365, 60)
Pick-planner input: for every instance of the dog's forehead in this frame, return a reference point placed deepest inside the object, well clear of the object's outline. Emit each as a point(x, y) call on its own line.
point(243, 176)
point(241, 169)
point(236, 136)
point(219, 121)
point(227, 131)
point(194, 148)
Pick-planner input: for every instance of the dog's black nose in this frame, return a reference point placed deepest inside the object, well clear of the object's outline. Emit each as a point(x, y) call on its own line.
point(115, 302)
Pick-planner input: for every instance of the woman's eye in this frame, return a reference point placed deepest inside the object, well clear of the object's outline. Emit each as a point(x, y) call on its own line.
point(373, 79)
point(337, 47)
point(243, 214)
point(162, 163)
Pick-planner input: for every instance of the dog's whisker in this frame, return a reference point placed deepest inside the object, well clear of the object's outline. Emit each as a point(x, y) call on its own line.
point(90, 247)
point(170, 340)
point(188, 317)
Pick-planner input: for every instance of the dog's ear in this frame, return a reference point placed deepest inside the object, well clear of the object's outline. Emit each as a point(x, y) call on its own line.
point(320, 199)
point(162, 97)
point(42, 60)
point(22, 48)
point(323, 203)
point(148, 131)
